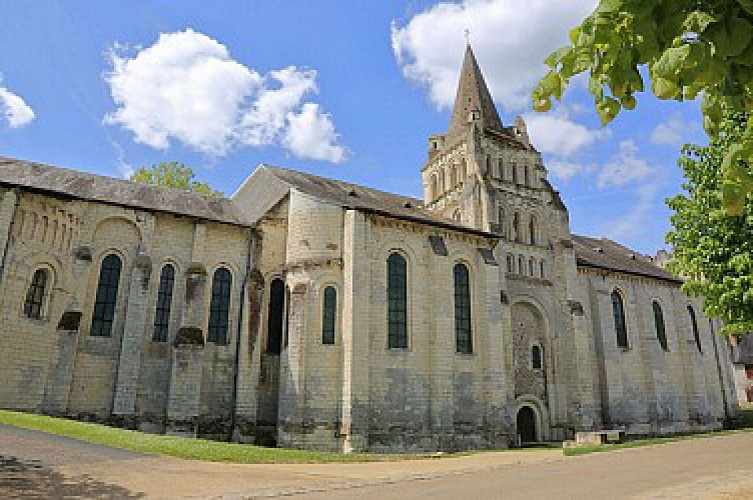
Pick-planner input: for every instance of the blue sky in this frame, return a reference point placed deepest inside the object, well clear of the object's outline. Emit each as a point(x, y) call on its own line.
point(338, 88)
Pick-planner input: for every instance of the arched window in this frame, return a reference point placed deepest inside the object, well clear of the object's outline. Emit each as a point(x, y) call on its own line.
point(463, 337)
point(514, 173)
point(329, 315)
point(164, 301)
point(500, 169)
point(542, 264)
point(434, 189)
point(694, 325)
point(516, 227)
point(502, 222)
point(510, 263)
point(441, 182)
point(107, 296)
point(526, 176)
point(489, 165)
point(34, 303)
point(531, 267)
point(661, 333)
point(620, 327)
point(275, 316)
point(532, 230)
point(463, 170)
point(219, 306)
point(521, 265)
point(454, 176)
point(397, 302)
point(457, 216)
point(536, 362)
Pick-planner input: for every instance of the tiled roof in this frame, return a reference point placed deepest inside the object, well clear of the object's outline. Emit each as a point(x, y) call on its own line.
point(604, 253)
point(90, 187)
point(366, 199)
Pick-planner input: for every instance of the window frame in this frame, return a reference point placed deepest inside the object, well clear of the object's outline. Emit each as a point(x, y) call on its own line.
point(163, 304)
point(694, 327)
point(329, 315)
point(398, 338)
point(535, 347)
point(277, 343)
point(463, 309)
point(111, 289)
point(37, 296)
point(660, 326)
point(617, 293)
point(221, 308)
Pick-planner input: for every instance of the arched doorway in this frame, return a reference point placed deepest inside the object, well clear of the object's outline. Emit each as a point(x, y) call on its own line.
point(526, 424)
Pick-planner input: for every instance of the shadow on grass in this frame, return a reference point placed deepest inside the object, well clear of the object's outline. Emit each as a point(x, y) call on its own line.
point(30, 479)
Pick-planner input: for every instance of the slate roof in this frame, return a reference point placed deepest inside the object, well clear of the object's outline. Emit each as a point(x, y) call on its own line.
point(366, 199)
point(604, 253)
point(84, 186)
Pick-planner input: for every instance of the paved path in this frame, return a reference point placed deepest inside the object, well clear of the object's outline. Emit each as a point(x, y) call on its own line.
point(38, 465)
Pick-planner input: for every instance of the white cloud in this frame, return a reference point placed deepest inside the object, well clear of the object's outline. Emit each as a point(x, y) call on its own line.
point(624, 167)
point(15, 110)
point(511, 39)
point(311, 134)
point(559, 136)
point(670, 133)
point(566, 170)
point(187, 87)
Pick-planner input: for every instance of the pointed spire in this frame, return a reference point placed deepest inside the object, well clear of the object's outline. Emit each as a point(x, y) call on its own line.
point(473, 97)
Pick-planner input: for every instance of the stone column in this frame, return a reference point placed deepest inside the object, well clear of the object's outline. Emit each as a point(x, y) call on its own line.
point(185, 387)
point(355, 334)
point(129, 365)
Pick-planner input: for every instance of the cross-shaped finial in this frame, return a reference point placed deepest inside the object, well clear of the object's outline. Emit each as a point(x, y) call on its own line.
point(467, 36)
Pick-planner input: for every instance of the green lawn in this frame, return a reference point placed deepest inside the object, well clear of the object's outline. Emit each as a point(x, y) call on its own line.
point(193, 449)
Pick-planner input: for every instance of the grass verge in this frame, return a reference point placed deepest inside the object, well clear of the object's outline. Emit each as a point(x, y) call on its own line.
point(192, 449)
point(744, 423)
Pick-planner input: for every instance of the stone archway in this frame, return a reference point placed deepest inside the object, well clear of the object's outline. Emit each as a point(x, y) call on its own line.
point(526, 424)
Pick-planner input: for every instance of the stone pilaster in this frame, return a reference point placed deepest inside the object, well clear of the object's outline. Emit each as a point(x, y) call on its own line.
point(185, 389)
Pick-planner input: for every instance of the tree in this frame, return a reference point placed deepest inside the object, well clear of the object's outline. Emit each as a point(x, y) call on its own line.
point(173, 174)
point(711, 250)
point(690, 49)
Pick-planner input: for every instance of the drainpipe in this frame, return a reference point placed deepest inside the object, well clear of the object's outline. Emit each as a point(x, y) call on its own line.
point(714, 340)
point(251, 248)
point(17, 192)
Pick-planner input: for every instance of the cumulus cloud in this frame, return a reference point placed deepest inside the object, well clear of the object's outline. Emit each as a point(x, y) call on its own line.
point(511, 39)
point(311, 134)
point(14, 109)
point(186, 87)
point(670, 133)
point(624, 167)
point(565, 170)
point(560, 136)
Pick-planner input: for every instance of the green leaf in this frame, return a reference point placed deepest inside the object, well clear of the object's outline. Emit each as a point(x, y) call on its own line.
point(747, 5)
point(671, 62)
point(741, 32)
point(697, 21)
point(607, 109)
point(606, 6)
point(555, 57)
point(664, 89)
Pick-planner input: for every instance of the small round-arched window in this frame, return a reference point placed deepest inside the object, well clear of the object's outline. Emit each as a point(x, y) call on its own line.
point(35, 295)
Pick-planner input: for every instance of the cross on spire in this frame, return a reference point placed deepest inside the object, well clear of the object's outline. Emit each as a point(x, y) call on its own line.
point(467, 36)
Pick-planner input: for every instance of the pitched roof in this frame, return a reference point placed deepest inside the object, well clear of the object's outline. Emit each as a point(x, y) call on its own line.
point(366, 199)
point(473, 94)
point(84, 186)
point(604, 253)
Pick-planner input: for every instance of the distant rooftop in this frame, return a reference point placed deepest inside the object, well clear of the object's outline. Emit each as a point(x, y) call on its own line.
point(84, 186)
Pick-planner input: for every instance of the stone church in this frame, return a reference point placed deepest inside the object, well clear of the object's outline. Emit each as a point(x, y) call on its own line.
point(313, 313)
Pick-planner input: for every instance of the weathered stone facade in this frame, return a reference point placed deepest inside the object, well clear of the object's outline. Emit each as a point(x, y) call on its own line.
point(253, 351)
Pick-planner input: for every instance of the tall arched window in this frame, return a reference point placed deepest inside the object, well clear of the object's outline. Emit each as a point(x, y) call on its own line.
point(397, 302)
point(620, 326)
point(329, 315)
point(510, 263)
point(531, 267)
point(521, 265)
point(514, 168)
point(164, 301)
point(219, 306)
point(434, 189)
point(454, 176)
point(516, 227)
point(441, 182)
point(532, 230)
point(34, 303)
point(536, 362)
point(526, 176)
point(694, 325)
point(661, 333)
point(107, 296)
point(275, 316)
point(463, 337)
point(463, 170)
point(542, 264)
point(500, 169)
point(502, 222)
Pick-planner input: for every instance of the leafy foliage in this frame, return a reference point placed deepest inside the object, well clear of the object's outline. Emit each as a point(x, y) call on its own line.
point(713, 251)
point(689, 48)
point(175, 175)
